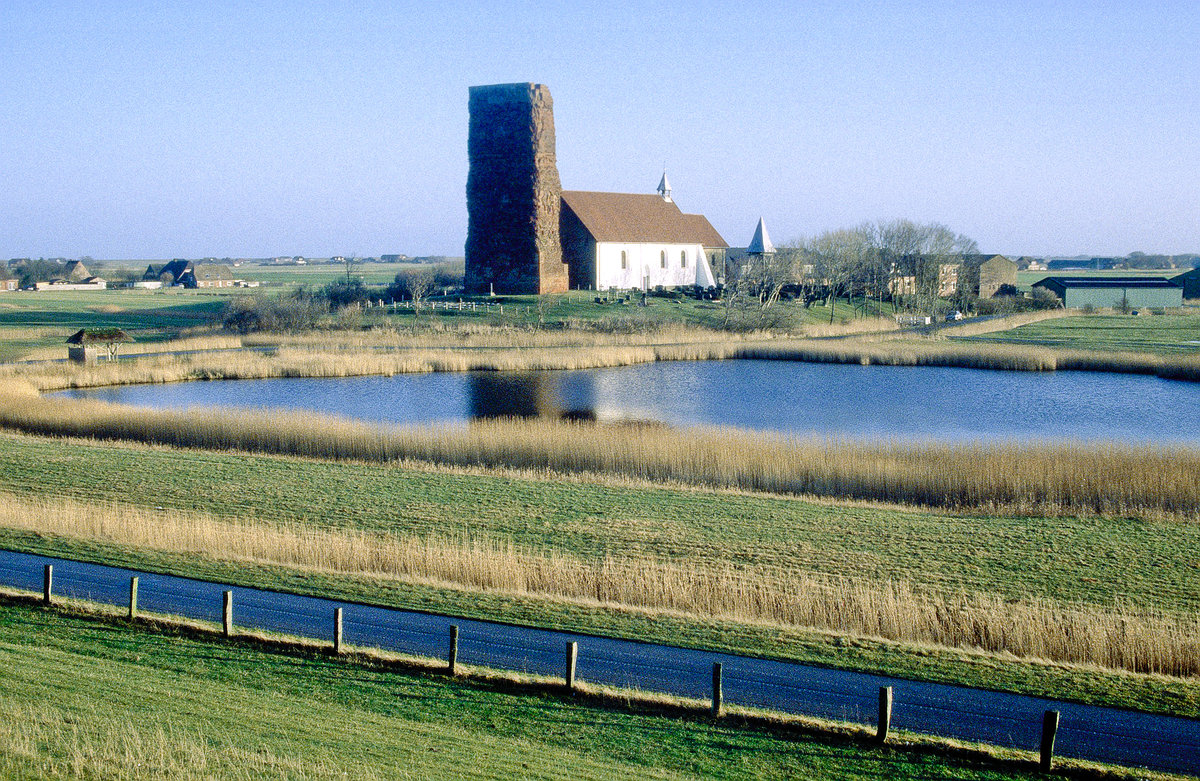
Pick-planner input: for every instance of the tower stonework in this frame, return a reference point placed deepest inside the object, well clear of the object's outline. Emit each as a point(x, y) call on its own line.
point(514, 196)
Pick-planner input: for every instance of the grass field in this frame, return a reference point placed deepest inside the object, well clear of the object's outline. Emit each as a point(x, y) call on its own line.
point(33, 321)
point(182, 706)
point(1171, 334)
point(1087, 560)
point(1103, 564)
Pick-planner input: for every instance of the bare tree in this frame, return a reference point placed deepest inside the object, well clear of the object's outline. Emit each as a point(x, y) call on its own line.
point(839, 260)
point(351, 262)
point(416, 285)
point(758, 285)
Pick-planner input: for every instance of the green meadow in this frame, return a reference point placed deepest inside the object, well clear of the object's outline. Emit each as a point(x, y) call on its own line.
point(1098, 562)
point(1168, 333)
point(180, 705)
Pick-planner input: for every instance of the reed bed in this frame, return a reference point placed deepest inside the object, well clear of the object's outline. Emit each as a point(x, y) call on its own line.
point(375, 355)
point(1119, 637)
point(186, 344)
point(1037, 479)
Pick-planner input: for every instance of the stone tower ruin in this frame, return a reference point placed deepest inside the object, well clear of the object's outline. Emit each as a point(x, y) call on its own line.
point(514, 196)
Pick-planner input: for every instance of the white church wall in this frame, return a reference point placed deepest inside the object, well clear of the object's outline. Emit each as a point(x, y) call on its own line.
point(651, 265)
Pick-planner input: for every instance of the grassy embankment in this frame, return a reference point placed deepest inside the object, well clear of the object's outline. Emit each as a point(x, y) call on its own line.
point(752, 574)
point(1170, 334)
point(180, 704)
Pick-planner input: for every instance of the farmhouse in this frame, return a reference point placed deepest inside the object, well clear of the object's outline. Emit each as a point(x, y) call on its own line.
point(1114, 292)
point(526, 235)
point(189, 274)
point(1189, 282)
point(986, 275)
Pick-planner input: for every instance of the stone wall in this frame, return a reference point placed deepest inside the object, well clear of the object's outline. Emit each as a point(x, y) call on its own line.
point(514, 195)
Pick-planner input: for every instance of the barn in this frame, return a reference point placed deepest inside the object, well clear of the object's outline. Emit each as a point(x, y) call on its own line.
point(1114, 292)
point(1189, 282)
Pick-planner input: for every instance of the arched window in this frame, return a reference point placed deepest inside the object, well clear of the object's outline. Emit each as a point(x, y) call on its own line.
point(623, 262)
point(683, 258)
point(662, 259)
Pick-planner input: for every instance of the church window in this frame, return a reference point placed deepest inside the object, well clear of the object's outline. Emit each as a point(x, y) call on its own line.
point(683, 259)
point(662, 259)
point(624, 265)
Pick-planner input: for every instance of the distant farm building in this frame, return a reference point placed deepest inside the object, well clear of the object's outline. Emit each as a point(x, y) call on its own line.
point(526, 235)
point(1114, 292)
point(986, 275)
point(75, 277)
point(186, 273)
point(1189, 283)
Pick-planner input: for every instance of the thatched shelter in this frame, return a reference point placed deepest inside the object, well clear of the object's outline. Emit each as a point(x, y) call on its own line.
point(83, 345)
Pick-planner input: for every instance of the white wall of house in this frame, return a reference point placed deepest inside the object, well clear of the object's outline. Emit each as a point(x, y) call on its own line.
point(649, 265)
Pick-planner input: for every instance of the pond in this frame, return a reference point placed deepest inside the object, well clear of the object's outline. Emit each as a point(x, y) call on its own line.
point(944, 404)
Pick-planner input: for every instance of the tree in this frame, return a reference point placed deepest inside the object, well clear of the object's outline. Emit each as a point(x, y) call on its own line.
point(415, 285)
point(840, 260)
point(350, 262)
point(758, 285)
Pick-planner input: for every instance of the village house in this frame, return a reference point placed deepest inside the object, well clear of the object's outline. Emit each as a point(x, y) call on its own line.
point(188, 274)
point(75, 277)
point(986, 275)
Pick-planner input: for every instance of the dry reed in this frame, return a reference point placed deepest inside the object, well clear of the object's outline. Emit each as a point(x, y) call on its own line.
point(389, 354)
point(1118, 638)
point(1042, 479)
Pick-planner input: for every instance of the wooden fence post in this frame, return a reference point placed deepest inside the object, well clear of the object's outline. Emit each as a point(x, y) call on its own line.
point(133, 585)
point(47, 583)
point(885, 714)
point(717, 694)
point(337, 630)
point(452, 656)
point(227, 613)
point(572, 659)
point(1049, 732)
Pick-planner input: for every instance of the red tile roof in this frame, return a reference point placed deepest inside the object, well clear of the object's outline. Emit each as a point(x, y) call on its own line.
point(637, 218)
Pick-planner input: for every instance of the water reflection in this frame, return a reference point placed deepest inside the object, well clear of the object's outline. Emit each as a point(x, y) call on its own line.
point(548, 394)
point(934, 403)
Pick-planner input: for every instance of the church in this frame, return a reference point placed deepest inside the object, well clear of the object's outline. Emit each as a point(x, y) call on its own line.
point(527, 235)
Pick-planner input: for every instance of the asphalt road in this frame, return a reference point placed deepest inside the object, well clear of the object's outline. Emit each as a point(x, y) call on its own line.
point(1086, 732)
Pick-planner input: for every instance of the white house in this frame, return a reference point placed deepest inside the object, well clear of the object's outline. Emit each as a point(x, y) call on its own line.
point(629, 240)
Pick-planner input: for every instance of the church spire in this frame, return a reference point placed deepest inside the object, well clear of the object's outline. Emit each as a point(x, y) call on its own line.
point(664, 187)
point(761, 243)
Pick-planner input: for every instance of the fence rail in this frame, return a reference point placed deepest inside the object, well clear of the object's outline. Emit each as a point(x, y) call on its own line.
point(880, 704)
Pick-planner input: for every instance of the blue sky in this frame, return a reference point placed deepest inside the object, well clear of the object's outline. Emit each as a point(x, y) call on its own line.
point(256, 129)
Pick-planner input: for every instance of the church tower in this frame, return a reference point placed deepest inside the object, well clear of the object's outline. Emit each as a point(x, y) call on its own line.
point(514, 197)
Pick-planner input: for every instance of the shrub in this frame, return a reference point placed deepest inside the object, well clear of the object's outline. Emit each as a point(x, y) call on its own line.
point(248, 314)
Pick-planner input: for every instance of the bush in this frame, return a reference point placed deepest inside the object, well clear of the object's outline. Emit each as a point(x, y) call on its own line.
point(248, 314)
point(344, 293)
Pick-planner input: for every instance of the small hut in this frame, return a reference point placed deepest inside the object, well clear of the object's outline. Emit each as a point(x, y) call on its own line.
point(84, 345)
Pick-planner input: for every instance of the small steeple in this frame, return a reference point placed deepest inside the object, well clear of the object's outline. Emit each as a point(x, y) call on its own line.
point(761, 243)
point(664, 187)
